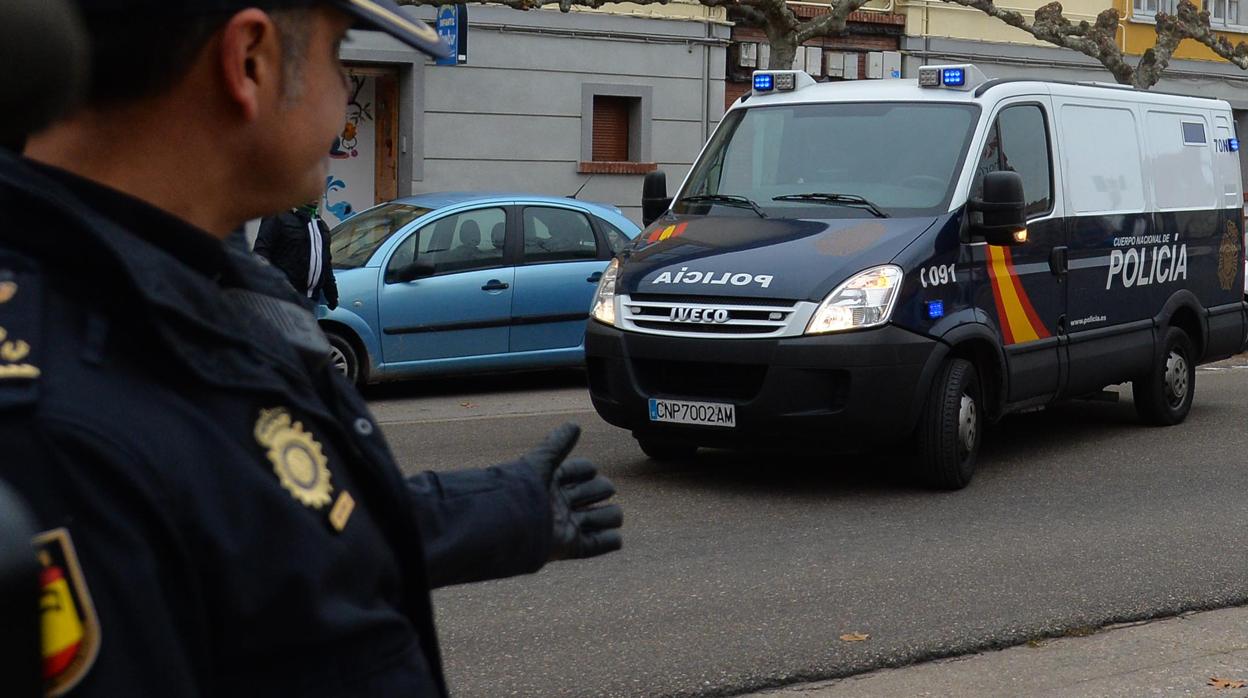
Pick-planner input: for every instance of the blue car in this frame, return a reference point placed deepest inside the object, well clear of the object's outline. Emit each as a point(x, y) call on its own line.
point(456, 283)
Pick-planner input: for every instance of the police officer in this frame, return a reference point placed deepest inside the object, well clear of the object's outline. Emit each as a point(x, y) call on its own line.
point(220, 514)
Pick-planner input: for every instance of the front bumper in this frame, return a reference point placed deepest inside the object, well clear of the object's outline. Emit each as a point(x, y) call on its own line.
point(859, 388)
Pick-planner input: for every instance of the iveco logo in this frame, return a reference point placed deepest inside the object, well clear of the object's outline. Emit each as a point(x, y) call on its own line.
point(707, 315)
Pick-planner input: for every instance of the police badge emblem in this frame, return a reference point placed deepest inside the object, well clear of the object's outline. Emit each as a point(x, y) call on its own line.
point(1228, 257)
point(70, 628)
point(297, 458)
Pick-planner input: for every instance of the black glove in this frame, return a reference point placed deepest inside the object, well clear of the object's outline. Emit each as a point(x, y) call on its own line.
point(581, 529)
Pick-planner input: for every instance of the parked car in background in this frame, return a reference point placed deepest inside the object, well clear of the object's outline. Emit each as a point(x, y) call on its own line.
point(467, 282)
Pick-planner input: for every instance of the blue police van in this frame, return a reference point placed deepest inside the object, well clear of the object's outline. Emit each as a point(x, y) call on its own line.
point(863, 264)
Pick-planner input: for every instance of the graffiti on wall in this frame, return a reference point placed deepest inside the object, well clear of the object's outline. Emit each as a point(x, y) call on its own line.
point(349, 188)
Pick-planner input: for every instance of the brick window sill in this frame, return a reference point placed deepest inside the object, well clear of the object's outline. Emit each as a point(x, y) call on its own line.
point(617, 168)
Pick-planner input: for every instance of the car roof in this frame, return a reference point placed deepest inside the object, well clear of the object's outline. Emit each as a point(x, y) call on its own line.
point(436, 200)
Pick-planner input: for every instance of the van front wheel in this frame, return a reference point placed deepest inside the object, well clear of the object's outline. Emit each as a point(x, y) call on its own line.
point(951, 427)
point(1164, 395)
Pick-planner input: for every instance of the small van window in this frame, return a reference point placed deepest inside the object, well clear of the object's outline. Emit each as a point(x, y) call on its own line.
point(1019, 142)
point(1193, 134)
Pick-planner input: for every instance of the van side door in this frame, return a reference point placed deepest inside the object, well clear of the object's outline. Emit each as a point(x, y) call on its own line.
point(1025, 293)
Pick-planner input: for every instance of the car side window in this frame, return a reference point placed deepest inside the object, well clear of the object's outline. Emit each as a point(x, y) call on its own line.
point(460, 242)
point(1019, 142)
point(616, 238)
point(557, 234)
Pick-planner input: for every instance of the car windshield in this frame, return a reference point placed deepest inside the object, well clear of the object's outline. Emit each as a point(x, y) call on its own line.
point(353, 241)
point(841, 160)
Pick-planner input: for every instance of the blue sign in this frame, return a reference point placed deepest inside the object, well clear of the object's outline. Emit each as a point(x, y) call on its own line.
point(452, 25)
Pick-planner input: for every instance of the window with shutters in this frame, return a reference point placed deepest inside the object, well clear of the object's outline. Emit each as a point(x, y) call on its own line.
point(611, 117)
point(615, 129)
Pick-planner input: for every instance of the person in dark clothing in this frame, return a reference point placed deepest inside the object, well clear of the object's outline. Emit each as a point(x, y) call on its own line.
point(297, 243)
point(220, 514)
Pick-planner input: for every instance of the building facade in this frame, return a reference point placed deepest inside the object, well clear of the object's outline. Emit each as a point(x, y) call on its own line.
point(580, 103)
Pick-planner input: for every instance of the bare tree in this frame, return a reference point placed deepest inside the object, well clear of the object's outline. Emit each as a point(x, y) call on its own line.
point(1099, 39)
point(784, 29)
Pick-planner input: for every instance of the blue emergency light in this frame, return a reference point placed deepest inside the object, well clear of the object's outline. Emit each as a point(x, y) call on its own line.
point(953, 77)
point(935, 309)
point(764, 82)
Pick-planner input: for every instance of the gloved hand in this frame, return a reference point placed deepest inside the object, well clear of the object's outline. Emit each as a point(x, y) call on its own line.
point(580, 528)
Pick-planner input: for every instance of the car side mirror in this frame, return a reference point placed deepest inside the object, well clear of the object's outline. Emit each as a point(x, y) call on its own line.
point(419, 269)
point(654, 198)
point(1004, 209)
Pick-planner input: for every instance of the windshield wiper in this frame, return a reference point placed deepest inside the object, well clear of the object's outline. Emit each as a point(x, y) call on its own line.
point(728, 200)
point(838, 199)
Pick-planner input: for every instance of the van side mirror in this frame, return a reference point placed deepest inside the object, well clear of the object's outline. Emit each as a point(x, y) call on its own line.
point(654, 198)
point(419, 269)
point(1004, 209)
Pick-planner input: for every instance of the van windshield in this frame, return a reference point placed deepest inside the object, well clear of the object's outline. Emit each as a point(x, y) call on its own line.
point(901, 158)
point(353, 241)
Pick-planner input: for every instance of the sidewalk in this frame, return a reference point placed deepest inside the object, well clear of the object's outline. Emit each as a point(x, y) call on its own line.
point(1171, 657)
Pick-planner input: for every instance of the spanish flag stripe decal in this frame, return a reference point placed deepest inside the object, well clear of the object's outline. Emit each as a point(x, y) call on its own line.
point(1032, 316)
point(1019, 322)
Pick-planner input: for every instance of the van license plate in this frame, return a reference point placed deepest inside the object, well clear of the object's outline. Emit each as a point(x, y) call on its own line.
point(712, 414)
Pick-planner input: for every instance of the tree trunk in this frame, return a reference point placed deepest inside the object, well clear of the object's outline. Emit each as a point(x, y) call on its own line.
point(783, 51)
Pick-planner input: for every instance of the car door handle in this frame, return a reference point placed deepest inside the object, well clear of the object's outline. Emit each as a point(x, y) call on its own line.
point(594, 278)
point(495, 285)
point(1059, 261)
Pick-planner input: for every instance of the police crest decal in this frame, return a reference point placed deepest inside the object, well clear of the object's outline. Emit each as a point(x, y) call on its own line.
point(298, 460)
point(70, 628)
point(1228, 257)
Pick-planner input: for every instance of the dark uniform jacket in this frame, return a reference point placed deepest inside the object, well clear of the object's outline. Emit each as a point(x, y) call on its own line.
point(222, 515)
point(283, 240)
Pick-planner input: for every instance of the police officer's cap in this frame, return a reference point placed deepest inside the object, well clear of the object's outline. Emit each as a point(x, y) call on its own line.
point(383, 15)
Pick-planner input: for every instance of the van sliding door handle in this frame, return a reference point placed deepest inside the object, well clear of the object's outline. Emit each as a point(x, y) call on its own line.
point(1059, 260)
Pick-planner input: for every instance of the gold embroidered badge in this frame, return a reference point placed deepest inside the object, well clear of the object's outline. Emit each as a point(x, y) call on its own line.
point(1228, 257)
point(297, 458)
point(11, 353)
point(70, 628)
point(341, 512)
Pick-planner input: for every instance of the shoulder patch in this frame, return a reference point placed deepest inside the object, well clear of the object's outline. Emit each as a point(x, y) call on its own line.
point(71, 630)
point(21, 304)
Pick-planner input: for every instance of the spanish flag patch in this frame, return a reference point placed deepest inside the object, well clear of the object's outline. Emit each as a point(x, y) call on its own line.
point(71, 630)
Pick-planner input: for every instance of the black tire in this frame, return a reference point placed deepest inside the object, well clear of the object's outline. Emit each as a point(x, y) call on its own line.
point(666, 451)
point(344, 357)
point(1163, 397)
point(951, 427)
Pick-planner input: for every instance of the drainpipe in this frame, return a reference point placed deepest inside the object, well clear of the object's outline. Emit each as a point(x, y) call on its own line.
point(706, 80)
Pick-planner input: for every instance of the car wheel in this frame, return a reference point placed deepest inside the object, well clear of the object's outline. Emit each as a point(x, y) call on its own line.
point(343, 357)
point(664, 451)
point(951, 427)
point(1164, 396)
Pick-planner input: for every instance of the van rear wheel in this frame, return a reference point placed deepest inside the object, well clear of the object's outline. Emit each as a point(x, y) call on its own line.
point(1164, 395)
point(665, 451)
point(951, 427)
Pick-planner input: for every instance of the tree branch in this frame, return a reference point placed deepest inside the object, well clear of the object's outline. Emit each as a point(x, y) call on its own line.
point(831, 24)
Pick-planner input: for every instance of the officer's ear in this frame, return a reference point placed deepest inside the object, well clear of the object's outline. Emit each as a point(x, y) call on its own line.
point(250, 54)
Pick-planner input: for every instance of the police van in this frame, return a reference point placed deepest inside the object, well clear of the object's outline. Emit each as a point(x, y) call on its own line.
point(864, 264)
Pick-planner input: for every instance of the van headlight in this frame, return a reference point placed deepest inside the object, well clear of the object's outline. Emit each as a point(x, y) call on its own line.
point(866, 300)
point(603, 308)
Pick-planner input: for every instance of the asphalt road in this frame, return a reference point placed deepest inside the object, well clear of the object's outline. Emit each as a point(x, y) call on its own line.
point(742, 571)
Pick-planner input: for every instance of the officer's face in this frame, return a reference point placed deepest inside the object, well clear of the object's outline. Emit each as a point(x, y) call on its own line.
point(312, 112)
